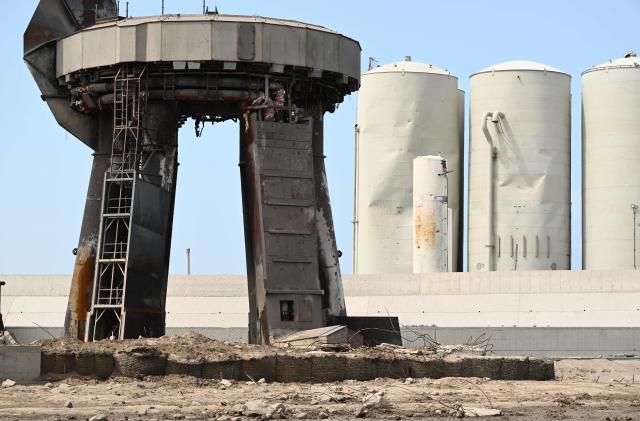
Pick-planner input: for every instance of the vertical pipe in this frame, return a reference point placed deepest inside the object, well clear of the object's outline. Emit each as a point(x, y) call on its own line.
point(490, 197)
point(634, 208)
point(188, 261)
point(162, 11)
point(495, 118)
point(457, 210)
point(2, 283)
point(356, 131)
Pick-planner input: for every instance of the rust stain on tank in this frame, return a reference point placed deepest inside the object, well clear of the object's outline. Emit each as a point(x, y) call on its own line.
point(425, 225)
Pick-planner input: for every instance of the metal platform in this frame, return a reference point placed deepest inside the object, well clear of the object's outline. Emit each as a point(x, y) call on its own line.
point(125, 86)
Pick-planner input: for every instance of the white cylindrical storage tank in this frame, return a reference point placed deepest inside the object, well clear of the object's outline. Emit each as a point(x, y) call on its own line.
point(430, 215)
point(405, 110)
point(519, 168)
point(611, 161)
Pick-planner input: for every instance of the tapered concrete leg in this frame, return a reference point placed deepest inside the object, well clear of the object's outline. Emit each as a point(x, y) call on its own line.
point(252, 227)
point(152, 225)
point(280, 228)
point(82, 278)
point(329, 263)
point(133, 262)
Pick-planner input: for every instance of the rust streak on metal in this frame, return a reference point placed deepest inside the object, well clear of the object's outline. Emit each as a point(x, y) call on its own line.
point(85, 274)
point(80, 293)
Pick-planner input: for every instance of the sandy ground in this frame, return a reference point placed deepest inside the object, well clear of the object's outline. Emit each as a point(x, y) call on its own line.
point(584, 389)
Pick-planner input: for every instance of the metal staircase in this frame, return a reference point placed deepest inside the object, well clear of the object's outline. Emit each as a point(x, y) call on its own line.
point(107, 314)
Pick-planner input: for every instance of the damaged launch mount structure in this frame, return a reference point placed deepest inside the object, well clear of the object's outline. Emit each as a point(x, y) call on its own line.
point(124, 86)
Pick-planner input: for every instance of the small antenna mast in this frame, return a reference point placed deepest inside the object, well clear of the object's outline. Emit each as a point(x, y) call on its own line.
point(372, 62)
point(162, 8)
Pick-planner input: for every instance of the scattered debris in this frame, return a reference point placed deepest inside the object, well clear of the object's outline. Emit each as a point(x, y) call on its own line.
point(6, 338)
point(566, 401)
point(190, 398)
point(376, 400)
point(330, 335)
point(259, 408)
point(482, 412)
point(8, 383)
point(361, 412)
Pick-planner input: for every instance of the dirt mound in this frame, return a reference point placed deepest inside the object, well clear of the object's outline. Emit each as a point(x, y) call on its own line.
point(198, 356)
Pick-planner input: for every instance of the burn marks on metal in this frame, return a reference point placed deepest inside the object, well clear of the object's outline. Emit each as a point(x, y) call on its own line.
point(246, 41)
point(277, 77)
point(280, 200)
point(329, 264)
point(136, 213)
point(54, 19)
point(82, 278)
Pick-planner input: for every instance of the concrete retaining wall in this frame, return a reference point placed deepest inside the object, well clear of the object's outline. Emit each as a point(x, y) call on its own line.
point(505, 341)
point(550, 313)
point(20, 363)
point(290, 367)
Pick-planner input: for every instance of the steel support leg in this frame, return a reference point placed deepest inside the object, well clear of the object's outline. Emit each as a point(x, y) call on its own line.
point(150, 244)
point(293, 273)
point(141, 309)
point(82, 278)
point(329, 263)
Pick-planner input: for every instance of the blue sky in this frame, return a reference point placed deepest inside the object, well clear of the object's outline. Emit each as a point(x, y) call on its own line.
point(44, 171)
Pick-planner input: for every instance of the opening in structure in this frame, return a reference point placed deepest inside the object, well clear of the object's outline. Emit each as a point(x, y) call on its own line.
point(208, 207)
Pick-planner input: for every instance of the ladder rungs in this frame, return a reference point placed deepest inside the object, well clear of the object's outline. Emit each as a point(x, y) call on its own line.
point(120, 179)
point(112, 260)
point(116, 215)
